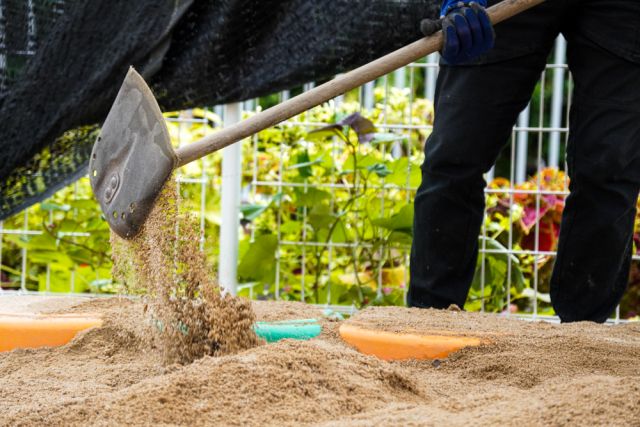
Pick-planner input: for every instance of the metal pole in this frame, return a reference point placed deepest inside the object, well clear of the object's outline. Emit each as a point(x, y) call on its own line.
point(432, 76)
point(399, 78)
point(399, 81)
point(557, 100)
point(230, 205)
point(368, 95)
point(340, 98)
point(521, 145)
point(23, 271)
point(250, 104)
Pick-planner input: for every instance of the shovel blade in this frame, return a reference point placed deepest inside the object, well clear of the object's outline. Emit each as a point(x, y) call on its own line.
point(132, 158)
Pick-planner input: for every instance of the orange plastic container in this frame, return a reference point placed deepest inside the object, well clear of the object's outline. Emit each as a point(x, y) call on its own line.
point(404, 346)
point(40, 330)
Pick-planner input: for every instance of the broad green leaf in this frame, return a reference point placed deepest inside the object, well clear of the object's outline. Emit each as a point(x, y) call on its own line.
point(259, 260)
point(340, 233)
point(291, 227)
point(50, 206)
point(68, 225)
point(379, 138)
point(61, 280)
point(404, 174)
point(311, 197)
point(42, 242)
point(60, 259)
point(320, 216)
point(326, 160)
point(81, 255)
point(400, 238)
point(326, 132)
point(401, 221)
point(363, 161)
point(89, 204)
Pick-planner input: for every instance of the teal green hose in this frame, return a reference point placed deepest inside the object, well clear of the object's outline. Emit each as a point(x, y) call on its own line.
point(299, 329)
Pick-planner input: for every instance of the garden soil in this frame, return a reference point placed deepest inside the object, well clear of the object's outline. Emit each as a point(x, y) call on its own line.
point(183, 354)
point(530, 374)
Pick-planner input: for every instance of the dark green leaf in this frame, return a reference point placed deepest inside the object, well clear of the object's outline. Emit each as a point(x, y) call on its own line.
point(379, 169)
point(305, 169)
point(251, 212)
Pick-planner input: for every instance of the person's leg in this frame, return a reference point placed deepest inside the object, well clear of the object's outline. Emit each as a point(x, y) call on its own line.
point(475, 109)
point(591, 270)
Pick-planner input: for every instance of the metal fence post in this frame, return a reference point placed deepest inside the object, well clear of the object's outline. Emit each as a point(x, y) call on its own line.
point(230, 205)
point(431, 77)
point(557, 100)
point(368, 98)
point(521, 145)
point(399, 78)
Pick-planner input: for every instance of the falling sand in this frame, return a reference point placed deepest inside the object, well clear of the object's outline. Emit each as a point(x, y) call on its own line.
point(183, 354)
point(189, 317)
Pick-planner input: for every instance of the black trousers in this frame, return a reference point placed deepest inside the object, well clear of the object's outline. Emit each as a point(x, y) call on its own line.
point(477, 105)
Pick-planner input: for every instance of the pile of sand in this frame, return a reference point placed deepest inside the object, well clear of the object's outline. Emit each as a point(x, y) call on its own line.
point(531, 374)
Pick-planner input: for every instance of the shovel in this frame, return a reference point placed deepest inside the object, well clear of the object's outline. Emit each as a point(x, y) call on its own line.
point(133, 157)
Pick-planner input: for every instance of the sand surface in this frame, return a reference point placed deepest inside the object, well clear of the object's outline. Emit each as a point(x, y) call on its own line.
point(531, 374)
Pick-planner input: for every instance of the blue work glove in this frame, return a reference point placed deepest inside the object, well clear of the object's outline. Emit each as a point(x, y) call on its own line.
point(467, 30)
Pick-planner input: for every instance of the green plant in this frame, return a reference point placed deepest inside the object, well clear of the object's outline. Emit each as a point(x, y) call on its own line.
point(351, 208)
point(68, 248)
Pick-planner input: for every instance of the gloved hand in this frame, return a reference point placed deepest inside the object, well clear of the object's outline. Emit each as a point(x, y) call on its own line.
point(467, 30)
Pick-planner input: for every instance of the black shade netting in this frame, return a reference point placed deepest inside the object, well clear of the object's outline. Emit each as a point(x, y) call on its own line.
point(62, 63)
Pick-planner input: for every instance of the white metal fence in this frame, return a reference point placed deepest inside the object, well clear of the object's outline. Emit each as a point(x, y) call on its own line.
point(543, 140)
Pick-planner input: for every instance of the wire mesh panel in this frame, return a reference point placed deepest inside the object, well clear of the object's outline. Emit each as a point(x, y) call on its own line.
point(327, 254)
point(338, 192)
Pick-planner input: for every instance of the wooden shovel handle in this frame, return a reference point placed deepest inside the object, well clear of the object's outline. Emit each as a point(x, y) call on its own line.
point(294, 106)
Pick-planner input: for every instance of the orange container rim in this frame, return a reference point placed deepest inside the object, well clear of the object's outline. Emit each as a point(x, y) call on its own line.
point(405, 346)
point(29, 330)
